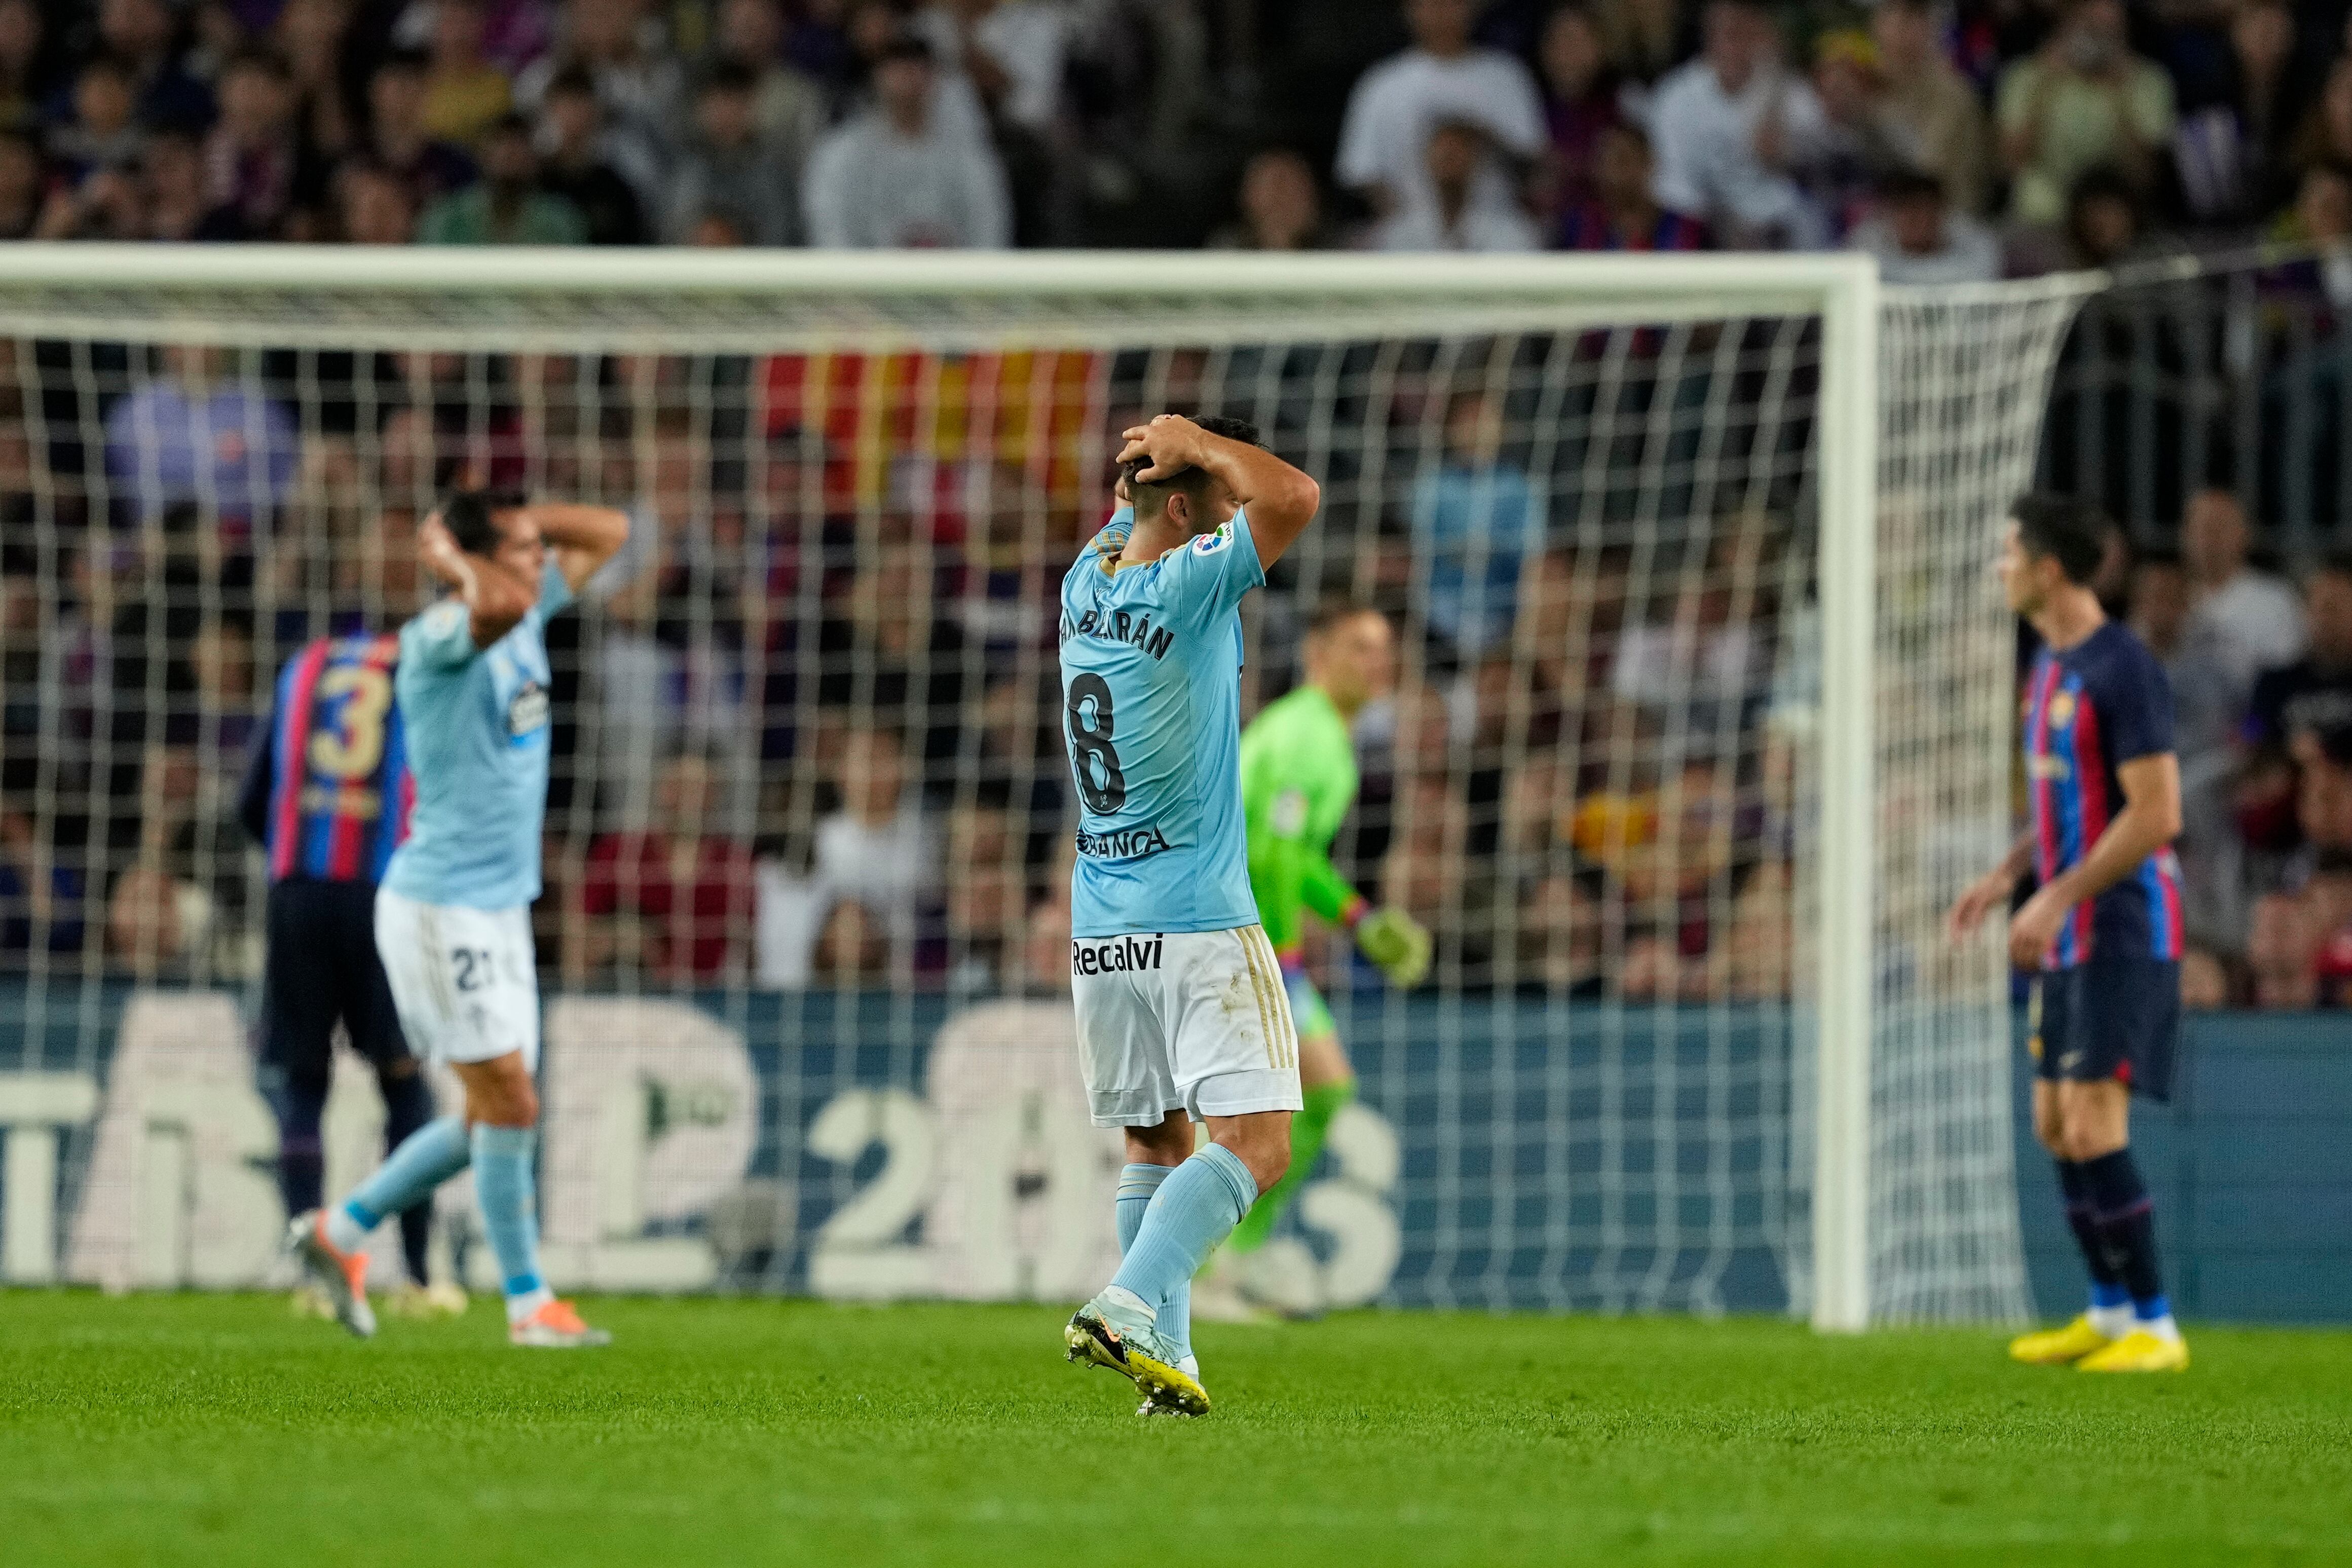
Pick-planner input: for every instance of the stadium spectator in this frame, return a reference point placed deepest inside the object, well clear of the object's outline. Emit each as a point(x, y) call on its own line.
point(1453, 210)
point(101, 130)
point(1931, 100)
point(1706, 651)
point(192, 434)
point(398, 140)
point(464, 94)
point(878, 847)
point(2325, 134)
point(987, 889)
point(374, 204)
point(506, 206)
point(1859, 142)
point(1920, 238)
point(580, 165)
point(1583, 97)
point(22, 34)
point(672, 901)
point(314, 36)
point(1725, 126)
point(1281, 208)
point(1623, 212)
point(726, 169)
point(1014, 52)
point(894, 176)
point(792, 107)
point(2083, 100)
point(1475, 522)
point(2208, 709)
point(2230, 149)
point(2313, 694)
point(21, 204)
point(625, 51)
point(1396, 108)
point(41, 902)
point(2103, 222)
point(144, 37)
point(1642, 39)
point(253, 160)
point(2249, 620)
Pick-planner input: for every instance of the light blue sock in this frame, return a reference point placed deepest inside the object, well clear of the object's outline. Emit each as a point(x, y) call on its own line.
point(1197, 1206)
point(503, 1184)
point(426, 1158)
point(1137, 1187)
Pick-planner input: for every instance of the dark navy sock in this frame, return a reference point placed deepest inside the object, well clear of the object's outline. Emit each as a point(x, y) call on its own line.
point(2125, 1218)
point(2106, 1288)
point(407, 1106)
point(302, 1105)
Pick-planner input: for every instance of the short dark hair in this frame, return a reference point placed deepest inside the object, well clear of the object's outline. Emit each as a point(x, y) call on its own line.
point(1333, 613)
point(729, 75)
point(1910, 185)
point(472, 517)
point(906, 45)
point(572, 81)
point(1193, 482)
point(408, 60)
point(2061, 529)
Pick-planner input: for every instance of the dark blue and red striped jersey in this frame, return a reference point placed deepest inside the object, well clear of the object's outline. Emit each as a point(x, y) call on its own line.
point(2089, 710)
point(328, 792)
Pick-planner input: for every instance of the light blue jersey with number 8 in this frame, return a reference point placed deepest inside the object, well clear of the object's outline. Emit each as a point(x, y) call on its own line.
point(1152, 665)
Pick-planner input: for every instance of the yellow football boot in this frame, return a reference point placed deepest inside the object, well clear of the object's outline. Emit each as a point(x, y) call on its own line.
point(2056, 1347)
point(2138, 1351)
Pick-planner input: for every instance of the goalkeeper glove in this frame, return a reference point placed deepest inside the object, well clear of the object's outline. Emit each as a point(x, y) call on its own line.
point(1398, 943)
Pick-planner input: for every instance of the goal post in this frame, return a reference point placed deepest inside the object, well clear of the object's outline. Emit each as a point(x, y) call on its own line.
point(1700, 430)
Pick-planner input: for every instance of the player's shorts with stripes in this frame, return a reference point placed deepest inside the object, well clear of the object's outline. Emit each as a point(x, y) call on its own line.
point(464, 980)
point(1192, 1021)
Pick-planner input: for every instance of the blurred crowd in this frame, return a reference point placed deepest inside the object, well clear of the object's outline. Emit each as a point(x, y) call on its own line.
point(1955, 138)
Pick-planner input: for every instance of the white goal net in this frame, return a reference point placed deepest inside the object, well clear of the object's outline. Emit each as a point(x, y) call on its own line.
point(1681, 802)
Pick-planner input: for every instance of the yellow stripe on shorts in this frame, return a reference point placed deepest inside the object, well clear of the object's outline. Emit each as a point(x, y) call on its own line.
point(1258, 987)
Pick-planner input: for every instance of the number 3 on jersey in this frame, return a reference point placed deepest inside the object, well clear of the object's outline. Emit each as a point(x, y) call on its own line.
point(1090, 746)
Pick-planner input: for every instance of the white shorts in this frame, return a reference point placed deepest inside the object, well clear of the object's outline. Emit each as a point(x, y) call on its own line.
point(1190, 1021)
point(464, 980)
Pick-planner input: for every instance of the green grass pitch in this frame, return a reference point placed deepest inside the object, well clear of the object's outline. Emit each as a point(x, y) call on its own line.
point(221, 1430)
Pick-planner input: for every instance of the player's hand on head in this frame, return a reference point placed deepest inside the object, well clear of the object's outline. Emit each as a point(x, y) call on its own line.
point(1172, 442)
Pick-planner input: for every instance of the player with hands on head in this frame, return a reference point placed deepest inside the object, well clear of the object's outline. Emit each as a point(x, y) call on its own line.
point(2101, 930)
point(453, 911)
point(1182, 1016)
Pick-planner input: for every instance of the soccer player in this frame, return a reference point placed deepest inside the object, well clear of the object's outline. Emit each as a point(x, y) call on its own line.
point(1298, 778)
point(2102, 927)
point(1182, 1016)
point(453, 916)
point(326, 796)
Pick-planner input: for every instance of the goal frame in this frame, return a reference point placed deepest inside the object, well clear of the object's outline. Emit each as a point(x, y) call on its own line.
point(1551, 289)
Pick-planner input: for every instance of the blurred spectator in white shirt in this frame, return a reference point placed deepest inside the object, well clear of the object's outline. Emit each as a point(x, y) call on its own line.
point(1725, 126)
point(639, 81)
point(1455, 211)
point(1399, 103)
point(1013, 51)
point(895, 176)
point(1918, 238)
point(2249, 620)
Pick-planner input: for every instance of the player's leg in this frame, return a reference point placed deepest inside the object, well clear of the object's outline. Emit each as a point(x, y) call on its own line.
point(298, 1025)
point(372, 1021)
point(2052, 1026)
point(1237, 1068)
point(496, 1061)
point(2130, 1051)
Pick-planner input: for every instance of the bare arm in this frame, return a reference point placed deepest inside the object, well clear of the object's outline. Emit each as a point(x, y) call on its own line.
point(582, 538)
point(1281, 501)
point(496, 598)
point(2150, 820)
point(1991, 891)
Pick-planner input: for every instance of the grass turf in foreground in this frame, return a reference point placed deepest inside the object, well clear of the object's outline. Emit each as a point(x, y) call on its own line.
point(222, 1430)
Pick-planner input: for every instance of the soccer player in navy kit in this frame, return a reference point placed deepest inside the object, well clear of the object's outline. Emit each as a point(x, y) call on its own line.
point(2103, 928)
point(1182, 1014)
point(326, 795)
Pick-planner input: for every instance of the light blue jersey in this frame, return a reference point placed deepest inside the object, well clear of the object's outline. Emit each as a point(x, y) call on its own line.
point(477, 748)
point(1152, 697)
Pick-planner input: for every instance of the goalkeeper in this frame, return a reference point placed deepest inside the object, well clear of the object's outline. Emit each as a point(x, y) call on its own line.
point(1298, 778)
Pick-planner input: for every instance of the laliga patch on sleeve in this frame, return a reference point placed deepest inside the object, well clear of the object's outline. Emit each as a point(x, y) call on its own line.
point(1210, 543)
point(1288, 817)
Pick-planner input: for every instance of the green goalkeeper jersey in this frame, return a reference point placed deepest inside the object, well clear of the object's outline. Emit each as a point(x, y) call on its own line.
point(1298, 778)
